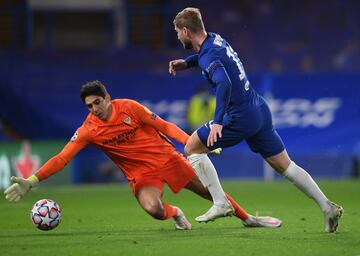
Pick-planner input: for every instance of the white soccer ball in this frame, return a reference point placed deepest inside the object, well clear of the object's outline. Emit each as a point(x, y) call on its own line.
point(46, 214)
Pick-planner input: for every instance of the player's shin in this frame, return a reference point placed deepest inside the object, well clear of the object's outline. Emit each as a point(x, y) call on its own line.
point(206, 172)
point(303, 181)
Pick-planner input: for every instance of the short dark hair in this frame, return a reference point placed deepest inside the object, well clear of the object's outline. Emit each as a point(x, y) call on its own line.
point(92, 88)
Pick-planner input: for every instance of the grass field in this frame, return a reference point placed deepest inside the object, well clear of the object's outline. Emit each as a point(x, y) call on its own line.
point(106, 220)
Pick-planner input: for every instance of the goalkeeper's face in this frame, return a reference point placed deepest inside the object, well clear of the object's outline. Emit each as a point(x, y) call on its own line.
point(99, 106)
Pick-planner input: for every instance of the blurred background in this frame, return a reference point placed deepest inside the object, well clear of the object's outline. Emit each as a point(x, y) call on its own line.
point(302, 55)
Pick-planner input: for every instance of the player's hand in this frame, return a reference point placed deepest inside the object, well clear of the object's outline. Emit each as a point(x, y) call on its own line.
point(20, 187)
point(215, 133)
point(176, 65)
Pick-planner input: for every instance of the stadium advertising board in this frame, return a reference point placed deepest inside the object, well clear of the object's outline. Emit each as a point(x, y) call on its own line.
point(23, 159)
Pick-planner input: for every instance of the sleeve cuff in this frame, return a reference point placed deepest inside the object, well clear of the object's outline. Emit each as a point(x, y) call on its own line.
point(33, 180)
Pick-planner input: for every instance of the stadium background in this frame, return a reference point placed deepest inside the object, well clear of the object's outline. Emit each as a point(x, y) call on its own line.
point(303, 56)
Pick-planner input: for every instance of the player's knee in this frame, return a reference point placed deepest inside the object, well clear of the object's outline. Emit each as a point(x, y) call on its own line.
point(156, 210)
point(188, 150)
point(191, 150)
point(279, 162)
point(195, 146)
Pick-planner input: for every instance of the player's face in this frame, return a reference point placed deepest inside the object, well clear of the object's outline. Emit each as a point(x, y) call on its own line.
point(183, 38)
point(99, 106)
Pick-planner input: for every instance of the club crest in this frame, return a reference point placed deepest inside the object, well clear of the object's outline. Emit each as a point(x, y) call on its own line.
point(127, 120)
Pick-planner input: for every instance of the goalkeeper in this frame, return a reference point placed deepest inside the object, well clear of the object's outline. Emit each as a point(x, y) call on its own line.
point(137, 140)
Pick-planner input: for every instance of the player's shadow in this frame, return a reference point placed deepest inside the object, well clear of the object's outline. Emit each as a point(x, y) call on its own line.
point(164, 233)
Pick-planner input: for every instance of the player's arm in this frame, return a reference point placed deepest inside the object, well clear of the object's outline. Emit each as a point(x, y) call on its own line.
point(192, 61)
point(167, 128)
point(21, 186)
point(219, 76)
point(181, 64)
point(58, 162)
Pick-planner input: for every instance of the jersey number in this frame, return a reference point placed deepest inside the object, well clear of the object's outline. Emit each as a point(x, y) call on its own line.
point(233, 55)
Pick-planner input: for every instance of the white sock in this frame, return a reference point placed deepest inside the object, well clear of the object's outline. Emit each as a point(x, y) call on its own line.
point(206, 172)
point(303, 181)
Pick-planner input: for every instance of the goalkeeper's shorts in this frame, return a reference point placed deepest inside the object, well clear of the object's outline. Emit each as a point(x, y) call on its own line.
point(177, 173)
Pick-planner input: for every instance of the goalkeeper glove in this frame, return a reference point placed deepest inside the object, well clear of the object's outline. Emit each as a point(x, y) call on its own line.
point(20, 187)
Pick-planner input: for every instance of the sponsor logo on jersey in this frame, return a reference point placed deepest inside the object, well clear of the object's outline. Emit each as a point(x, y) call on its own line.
point(121, 138)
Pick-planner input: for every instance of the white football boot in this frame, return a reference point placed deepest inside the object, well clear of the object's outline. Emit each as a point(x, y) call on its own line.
point(332, 217)
point(216, 212)
point(262, 222)
point(181, 223)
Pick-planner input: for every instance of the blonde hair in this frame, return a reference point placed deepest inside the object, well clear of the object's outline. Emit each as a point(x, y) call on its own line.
point(190, 18)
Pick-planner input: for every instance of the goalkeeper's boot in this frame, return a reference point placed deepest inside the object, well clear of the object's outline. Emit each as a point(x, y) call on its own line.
point(181, 223)
point(332, 217)
point(262, 222)
point(216, 212)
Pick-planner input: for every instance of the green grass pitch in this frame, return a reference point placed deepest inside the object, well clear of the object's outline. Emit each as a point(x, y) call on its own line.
point(107, 220)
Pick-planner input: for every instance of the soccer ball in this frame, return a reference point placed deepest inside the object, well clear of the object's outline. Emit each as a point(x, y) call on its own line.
point(46, 214)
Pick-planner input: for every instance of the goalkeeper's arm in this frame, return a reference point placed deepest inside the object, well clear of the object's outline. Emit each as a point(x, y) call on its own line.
point(22, 186)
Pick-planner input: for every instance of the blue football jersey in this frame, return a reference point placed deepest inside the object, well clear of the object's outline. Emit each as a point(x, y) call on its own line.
point(223, 69)
point(243, 113)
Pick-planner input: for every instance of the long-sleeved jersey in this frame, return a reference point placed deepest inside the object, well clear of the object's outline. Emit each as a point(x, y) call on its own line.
point(223, 69)
point(133, 137)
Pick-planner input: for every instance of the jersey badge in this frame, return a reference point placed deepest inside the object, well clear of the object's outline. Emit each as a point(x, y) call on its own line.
point(73, 138)
point(127, 120)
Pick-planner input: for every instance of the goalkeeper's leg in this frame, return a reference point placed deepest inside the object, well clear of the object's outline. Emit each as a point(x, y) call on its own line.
point(149, 197)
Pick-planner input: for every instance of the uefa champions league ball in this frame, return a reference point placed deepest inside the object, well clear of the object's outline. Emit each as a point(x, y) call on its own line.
point(46, 214)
